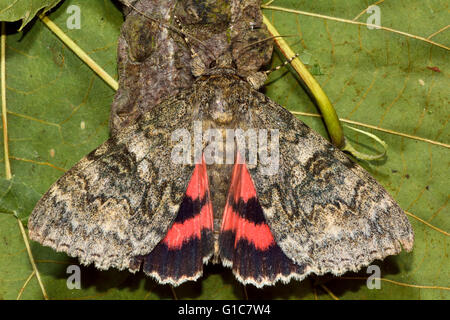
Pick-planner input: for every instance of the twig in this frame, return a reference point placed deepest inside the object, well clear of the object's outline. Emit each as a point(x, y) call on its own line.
point(376, 128)
point(365, 10)
point(174, 294)
point(4, 110)
point(332, 295)
point(244, 287)
point(357, 23)
point(398, 283)
point(79, 52)
point(25, 285)
point(349, 148)
point(428, 224)
point(439, 31)
point(30, 256)
point(329, 114)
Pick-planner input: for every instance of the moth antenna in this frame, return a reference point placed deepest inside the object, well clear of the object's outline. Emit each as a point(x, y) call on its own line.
point(169, 26)
point(265, 39)
point(282, 65)
point(193, 52)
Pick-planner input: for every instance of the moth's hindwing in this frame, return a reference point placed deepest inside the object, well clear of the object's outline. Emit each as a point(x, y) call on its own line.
point(325, 212)
point(119, 201)
point(188, 244)
point(246, 242)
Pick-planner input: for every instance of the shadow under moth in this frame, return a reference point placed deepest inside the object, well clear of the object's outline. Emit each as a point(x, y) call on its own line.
point(194, 68)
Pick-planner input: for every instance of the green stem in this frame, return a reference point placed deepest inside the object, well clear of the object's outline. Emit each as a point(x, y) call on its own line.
point(326, 108)
point(79, 52)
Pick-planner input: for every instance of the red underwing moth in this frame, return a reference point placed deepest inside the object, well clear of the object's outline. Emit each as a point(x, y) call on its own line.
point(131, 204)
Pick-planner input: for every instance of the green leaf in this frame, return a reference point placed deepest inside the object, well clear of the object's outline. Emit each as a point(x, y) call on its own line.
point(58, 112)
point(24, 10)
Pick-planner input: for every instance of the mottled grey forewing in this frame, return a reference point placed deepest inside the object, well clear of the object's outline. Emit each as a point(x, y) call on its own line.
point(325, 211)
point(153, 63)
point(118, 201)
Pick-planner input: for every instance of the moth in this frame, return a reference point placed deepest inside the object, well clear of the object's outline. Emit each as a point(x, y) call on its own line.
point(153, 198)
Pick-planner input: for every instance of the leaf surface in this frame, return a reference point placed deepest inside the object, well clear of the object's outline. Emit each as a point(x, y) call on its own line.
point(24, 10)
point(58, 111)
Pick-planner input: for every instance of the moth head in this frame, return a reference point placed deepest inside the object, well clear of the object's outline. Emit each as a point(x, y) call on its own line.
point(225, 34)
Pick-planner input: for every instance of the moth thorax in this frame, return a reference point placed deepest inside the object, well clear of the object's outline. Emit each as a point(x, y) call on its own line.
point(198, 68)
point(224, 61)
point(220, 111)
